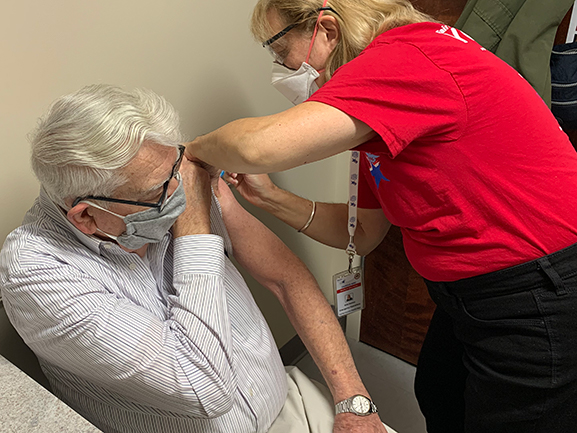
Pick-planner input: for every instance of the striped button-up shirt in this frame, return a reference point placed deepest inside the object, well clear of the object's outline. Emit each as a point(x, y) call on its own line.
point(173, 342)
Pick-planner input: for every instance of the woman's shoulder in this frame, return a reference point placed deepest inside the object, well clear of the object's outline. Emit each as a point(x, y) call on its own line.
point(408, 33)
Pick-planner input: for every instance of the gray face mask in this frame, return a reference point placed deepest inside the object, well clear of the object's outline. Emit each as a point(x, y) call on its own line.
point(149, 226)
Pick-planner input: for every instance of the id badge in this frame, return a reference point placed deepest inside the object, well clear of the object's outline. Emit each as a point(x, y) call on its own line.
point(349, 291)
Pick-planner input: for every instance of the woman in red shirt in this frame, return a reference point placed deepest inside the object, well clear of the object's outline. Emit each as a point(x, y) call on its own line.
point(481, 181)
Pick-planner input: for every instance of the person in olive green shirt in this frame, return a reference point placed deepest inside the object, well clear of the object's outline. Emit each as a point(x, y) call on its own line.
point(521, 32)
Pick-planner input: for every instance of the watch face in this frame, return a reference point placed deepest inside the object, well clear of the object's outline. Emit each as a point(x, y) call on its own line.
point(361, 404)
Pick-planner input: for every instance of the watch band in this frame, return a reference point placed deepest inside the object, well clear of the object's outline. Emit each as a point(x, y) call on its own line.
point(342, 407)
point(346, 406)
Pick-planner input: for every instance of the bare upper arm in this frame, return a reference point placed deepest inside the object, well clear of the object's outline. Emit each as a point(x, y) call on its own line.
point(373, 226)
point(256, 247)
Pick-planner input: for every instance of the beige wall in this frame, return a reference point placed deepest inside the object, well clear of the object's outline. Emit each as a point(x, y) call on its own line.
point(198, 54)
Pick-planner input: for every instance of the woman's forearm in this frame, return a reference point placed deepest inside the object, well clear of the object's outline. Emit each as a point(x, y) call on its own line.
point(329, 224)
point(230, 147)
point(306, 133)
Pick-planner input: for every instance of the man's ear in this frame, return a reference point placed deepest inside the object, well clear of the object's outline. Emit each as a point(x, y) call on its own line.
point(331, 30)
point(81, 218)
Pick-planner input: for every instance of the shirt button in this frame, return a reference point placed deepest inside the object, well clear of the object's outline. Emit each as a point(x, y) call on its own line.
point(251, 392)
point(107, 246)
point(132, 266)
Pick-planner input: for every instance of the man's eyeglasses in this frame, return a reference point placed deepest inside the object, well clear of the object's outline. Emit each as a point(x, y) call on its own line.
point(159, 205)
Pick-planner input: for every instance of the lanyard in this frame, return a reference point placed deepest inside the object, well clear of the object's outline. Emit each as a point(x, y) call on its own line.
point(353, 199)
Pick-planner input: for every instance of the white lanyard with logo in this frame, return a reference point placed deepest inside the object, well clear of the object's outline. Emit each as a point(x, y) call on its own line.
point(349, 285)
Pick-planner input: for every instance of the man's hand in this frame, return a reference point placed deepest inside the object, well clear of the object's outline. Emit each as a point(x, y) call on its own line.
point(212, 171)
point(196, 217)
point(351, 423)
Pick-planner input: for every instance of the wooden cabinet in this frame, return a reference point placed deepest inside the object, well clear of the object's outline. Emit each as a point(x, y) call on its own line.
point(398, 307)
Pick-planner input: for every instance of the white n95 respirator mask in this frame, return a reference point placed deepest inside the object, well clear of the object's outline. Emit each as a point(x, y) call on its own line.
point(297, 86)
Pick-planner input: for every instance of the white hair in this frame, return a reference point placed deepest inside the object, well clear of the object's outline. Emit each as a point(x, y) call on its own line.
point(81, 145)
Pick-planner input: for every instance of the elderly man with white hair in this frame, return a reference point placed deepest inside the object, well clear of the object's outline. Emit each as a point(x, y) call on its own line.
point(120, 282)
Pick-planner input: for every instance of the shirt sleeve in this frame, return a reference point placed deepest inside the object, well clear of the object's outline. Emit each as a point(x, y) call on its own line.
point(181, 363)
point(217, 225)
point(400, 93)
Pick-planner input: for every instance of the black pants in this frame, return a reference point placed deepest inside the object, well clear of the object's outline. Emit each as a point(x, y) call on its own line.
point(501, 351)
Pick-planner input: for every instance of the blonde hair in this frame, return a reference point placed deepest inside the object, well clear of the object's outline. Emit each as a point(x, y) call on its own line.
point(360, 21)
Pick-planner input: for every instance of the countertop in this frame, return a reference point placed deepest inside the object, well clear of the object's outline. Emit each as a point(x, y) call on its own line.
point(25, 406)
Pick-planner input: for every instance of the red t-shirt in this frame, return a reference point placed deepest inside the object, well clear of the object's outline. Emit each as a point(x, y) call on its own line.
point(470, 163)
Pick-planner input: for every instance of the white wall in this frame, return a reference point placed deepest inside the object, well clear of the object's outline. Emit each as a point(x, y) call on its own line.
point(198, 54)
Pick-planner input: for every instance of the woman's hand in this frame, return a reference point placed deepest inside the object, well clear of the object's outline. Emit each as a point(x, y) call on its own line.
point(255, 188)
point(213, 172)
